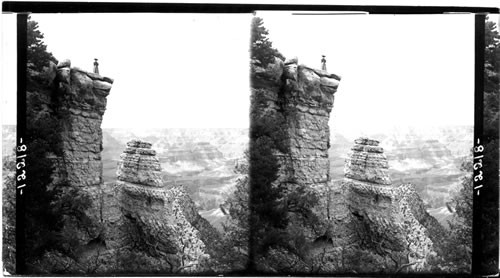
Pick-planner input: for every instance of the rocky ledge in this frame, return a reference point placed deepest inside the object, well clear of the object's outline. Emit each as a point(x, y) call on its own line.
point(367, 162)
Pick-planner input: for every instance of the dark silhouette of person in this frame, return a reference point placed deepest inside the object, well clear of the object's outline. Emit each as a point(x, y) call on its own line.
point(96, 66)
point(323, 62)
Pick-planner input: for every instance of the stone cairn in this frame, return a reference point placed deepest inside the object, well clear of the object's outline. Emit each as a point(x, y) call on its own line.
point(367, 162)
point(139, 164)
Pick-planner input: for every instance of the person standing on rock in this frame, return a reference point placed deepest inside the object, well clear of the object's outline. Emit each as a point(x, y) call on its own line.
point(323, 63)
point(96, 66)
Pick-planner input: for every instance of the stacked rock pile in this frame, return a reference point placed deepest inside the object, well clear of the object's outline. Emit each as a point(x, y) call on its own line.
point(367, 162)
point(139, 164)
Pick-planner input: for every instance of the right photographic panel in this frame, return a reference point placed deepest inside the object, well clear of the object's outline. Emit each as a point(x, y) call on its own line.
point(361, 142)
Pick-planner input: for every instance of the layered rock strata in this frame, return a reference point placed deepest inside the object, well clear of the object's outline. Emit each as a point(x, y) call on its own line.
point(367, 162)
point(158, 216)
point(139, 164)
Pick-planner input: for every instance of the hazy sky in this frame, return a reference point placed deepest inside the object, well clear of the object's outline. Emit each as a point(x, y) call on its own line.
point(185, 70)
point(170, 70)
point(396, 70)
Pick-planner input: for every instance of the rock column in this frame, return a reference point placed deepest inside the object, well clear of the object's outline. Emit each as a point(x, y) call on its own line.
point(80, 99)
point(157, 215)
point(389, 219)
point(307, 100)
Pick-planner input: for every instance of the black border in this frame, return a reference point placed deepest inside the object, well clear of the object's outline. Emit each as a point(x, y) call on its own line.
point(22, 26)
point(114, 7)
point(108, 7)
point(477, 245)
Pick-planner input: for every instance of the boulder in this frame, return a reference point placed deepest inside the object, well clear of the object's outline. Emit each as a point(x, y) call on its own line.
point(293, 60)
point(66, 63)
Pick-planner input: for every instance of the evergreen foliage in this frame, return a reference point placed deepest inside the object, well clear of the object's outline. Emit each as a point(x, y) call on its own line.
point(261, 47)
point(37, 54)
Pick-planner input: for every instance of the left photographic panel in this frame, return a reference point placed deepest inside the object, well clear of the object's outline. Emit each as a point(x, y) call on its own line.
point(136, 137)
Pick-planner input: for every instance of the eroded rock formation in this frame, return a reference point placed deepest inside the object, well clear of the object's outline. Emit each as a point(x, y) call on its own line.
point(308, 100)
point(364, 216)
point(390, 220)
point(304, 97)
point(157, 220)
point(134, 224)
point(80, 102)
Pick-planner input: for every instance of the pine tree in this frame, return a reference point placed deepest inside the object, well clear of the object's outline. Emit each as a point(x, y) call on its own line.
point(37, 54)
point(262, 48)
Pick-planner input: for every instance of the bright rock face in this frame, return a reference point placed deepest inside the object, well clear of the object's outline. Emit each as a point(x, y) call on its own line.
point(367, 162)
point(139, 164)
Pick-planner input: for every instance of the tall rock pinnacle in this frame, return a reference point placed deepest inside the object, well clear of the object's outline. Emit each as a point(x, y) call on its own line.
point(163, 215)
point(307, 98)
